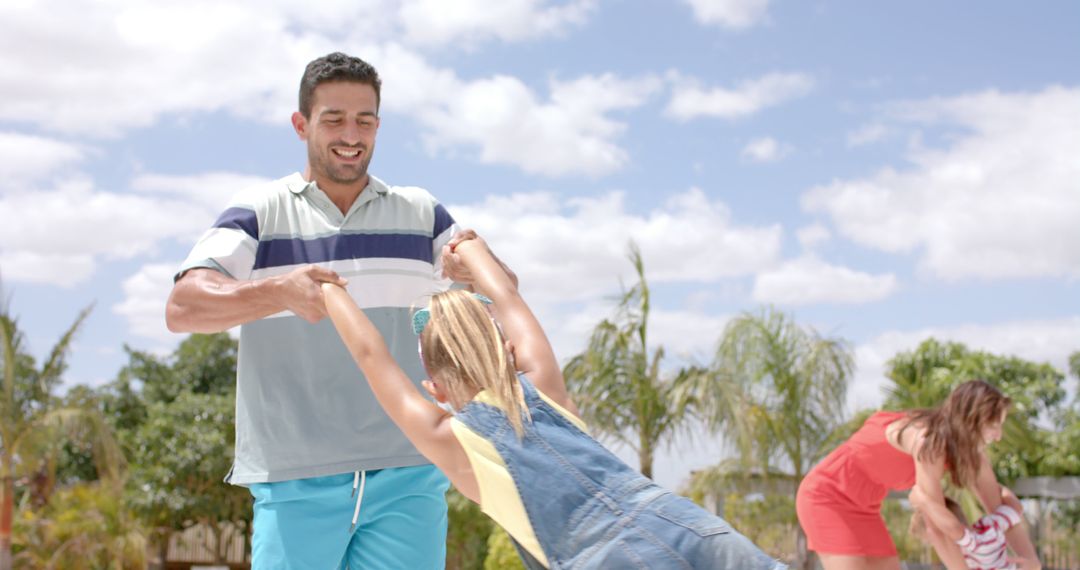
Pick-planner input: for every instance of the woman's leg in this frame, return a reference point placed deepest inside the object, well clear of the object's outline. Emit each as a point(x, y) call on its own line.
point(848, 562)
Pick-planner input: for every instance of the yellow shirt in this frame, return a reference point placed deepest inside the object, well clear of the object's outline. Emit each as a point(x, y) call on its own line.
point(499, 497)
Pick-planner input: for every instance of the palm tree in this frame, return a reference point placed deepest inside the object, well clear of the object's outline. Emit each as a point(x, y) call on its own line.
point(776, 392)
point(31, 429)
point(617, 382)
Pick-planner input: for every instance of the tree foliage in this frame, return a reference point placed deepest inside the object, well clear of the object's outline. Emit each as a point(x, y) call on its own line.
point(175, 417)
point(34, 427)
point(775, 391)
point(84, 526)
point(467, 533)
point(617, 382)
point(501, 554)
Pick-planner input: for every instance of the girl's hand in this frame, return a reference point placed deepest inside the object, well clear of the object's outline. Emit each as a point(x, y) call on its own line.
point(461, 236)
point(1024, 563)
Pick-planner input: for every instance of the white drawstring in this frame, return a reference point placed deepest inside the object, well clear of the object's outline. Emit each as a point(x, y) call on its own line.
point(359, 478)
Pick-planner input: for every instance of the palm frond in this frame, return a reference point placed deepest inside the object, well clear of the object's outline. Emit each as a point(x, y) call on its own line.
point(56, 362)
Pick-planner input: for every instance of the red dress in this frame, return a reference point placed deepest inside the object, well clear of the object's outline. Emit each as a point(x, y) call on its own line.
point(839, 501)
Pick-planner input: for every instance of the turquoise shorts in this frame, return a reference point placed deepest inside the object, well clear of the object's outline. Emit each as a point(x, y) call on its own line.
point(307, 523)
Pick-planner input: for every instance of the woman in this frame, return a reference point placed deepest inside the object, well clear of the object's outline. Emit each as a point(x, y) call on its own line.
point(839, 501)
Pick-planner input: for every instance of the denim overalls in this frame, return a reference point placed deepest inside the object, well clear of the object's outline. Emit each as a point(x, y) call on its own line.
point(588, 509)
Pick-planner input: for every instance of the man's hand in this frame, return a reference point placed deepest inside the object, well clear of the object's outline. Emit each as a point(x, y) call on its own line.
point(300, 290)
point(454, 268)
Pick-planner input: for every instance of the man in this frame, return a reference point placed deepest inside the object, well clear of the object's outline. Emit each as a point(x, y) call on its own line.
point(335, 483)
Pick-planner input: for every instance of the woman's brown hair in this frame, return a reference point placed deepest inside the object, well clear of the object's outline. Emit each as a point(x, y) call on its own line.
point(462, 345)
point(954, 430)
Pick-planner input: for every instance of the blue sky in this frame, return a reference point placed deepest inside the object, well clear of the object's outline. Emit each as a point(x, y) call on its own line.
point(884, 173)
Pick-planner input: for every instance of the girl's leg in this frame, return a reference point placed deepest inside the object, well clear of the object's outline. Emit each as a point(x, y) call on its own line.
point(848, 562)
point(947, 550)
point(1019, 537)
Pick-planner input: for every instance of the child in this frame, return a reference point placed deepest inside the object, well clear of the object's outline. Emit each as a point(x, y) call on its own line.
point(983, 544)
point(917, 528)
point(515, 444)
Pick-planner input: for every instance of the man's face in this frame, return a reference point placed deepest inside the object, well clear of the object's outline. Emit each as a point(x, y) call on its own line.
point(340, 133)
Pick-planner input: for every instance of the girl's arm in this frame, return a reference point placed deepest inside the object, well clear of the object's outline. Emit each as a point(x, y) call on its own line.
point(532, 350)
point(426, 425)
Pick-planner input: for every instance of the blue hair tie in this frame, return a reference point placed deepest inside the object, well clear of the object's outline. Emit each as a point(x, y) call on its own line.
point(420, 318)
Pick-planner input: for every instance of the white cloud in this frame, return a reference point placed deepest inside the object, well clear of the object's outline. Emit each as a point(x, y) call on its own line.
point(1000, 200)
point(65, 270)
point(145, 295)
point(134, 62)
point(1049, 340)
point(449, 22)
point(686, 335)
point(808, 280)
point(209, 189)
point(765, 149)
point(867, 134)
point(55, 236)
point(734, 14)
point(690, 238)
point(507, 124)
point(26, 157)
point(813, 235)
point(372, 20)
point(689, 100)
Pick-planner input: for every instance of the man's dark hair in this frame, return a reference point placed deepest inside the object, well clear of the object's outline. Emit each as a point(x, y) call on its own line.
point(336, 67)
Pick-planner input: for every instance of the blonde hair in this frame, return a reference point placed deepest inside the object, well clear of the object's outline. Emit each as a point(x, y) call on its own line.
point(463, 346)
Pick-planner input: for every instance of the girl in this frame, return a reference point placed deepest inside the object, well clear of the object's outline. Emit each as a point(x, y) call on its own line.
point(984, 543)
point(514, 443)
point(839, 501)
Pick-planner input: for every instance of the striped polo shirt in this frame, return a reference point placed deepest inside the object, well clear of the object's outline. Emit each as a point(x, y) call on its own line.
point(303, 408)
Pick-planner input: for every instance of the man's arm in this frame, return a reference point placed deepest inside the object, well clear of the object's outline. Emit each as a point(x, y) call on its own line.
point(206, 301)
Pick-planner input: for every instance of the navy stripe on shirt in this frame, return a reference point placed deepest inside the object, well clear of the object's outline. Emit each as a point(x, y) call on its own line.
point(443, 220)
point(295, 251)
point(240, 219)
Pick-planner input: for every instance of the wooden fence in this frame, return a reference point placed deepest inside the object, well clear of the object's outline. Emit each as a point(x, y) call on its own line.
point(203, 546)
